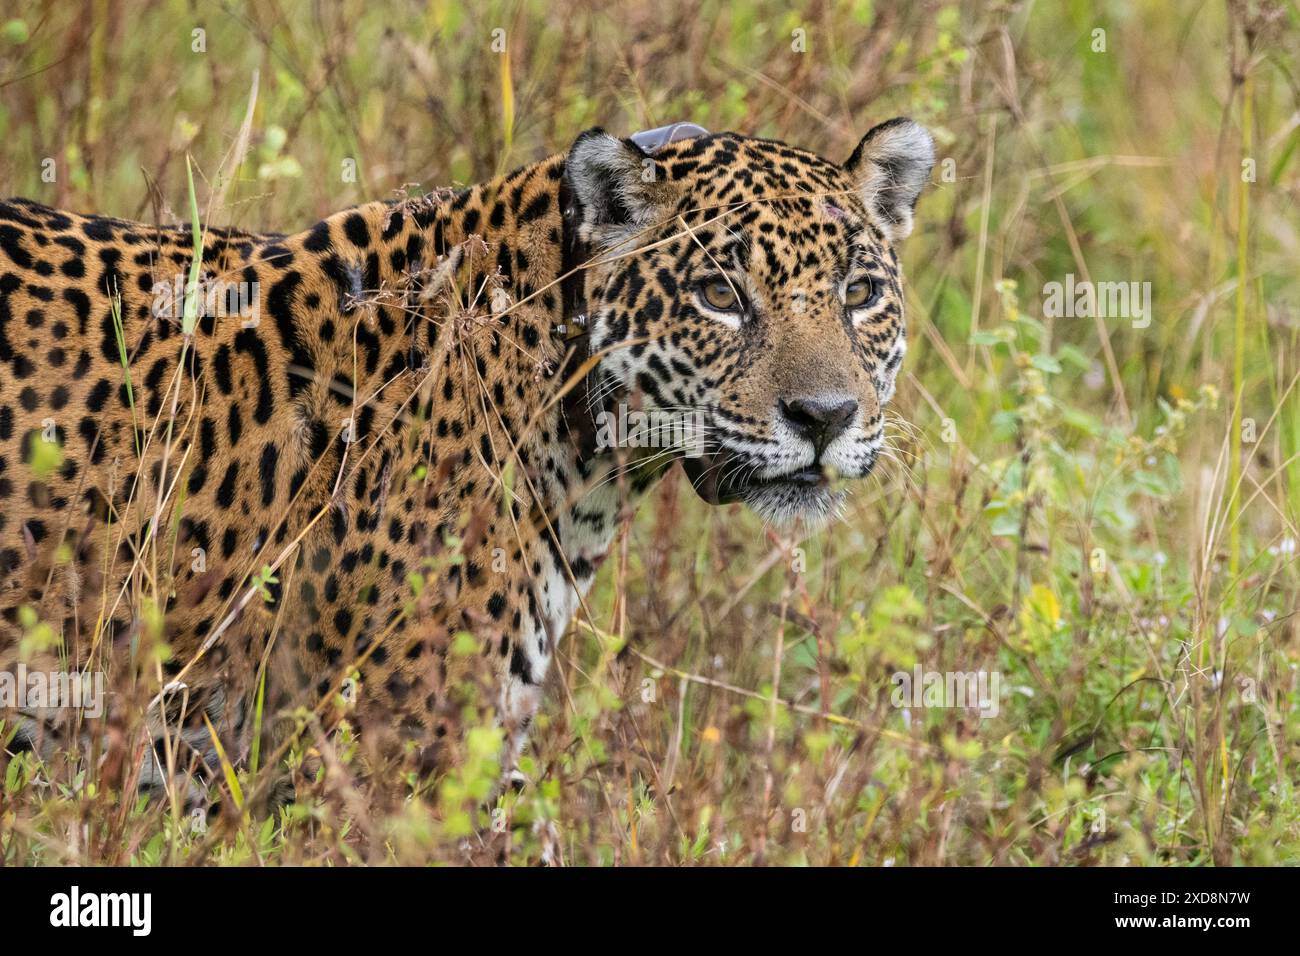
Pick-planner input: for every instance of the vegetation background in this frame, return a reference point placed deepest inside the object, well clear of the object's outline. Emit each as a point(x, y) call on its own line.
point(1104, 515)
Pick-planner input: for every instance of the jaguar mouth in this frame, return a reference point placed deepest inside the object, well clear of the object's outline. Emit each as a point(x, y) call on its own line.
point(724, 479)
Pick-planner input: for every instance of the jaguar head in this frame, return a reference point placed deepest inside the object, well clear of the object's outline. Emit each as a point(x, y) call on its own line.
point(746, 296)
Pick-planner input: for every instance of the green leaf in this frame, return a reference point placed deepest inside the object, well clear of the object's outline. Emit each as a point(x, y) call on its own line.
point(1006, 524)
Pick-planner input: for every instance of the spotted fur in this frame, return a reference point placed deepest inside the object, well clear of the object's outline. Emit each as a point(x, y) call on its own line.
point(404, 424)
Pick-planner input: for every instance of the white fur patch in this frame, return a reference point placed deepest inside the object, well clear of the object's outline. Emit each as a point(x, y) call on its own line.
point(892, 164)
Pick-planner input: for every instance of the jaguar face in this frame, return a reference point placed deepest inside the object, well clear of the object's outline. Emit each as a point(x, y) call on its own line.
point(749, 295)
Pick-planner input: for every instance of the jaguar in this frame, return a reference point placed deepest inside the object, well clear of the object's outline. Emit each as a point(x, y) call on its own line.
point(393, 444)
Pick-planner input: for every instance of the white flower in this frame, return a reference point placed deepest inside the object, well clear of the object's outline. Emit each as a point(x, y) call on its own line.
point(1286, 547)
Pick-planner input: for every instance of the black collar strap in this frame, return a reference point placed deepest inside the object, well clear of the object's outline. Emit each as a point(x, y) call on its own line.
point(576, 413)
point(574, 255)
point(573, 326)
point(653, 140)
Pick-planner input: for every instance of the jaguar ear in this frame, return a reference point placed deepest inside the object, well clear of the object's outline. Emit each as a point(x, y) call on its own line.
point(891, 166)
point(618, 187)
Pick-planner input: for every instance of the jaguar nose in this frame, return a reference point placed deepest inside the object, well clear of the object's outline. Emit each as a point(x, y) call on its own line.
point(818, 420)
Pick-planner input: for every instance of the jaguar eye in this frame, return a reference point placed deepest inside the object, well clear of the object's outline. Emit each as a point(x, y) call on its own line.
point(859, 293)
point(719, 294)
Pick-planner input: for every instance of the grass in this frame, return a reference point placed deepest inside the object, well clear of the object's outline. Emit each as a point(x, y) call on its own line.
point(1105, 515)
